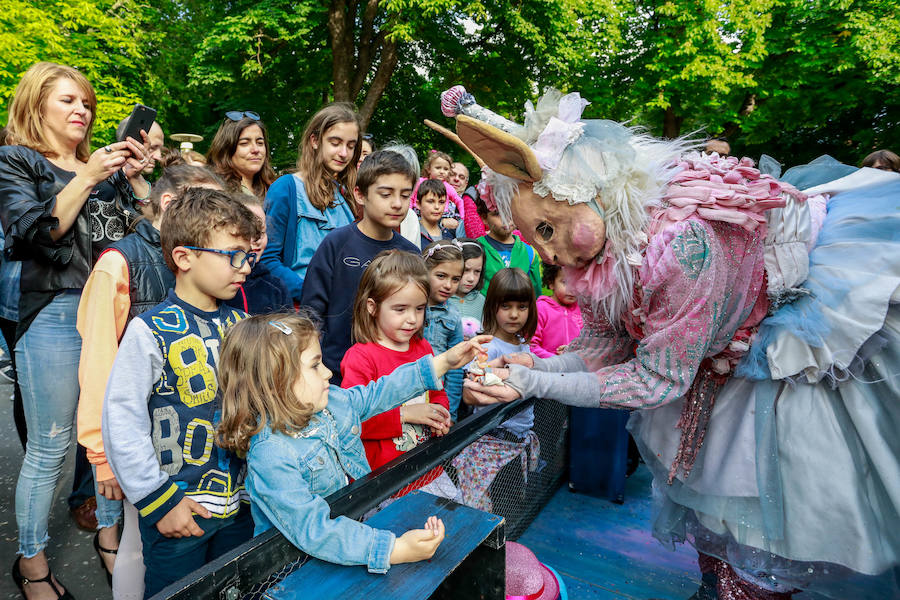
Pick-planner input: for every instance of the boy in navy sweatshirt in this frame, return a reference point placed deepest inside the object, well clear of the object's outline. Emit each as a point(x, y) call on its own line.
point(161, 407)
point(383, 186)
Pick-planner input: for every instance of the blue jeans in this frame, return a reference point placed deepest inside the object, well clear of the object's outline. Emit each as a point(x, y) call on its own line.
point(109, 512)
point(169, 559)
point(47, 366)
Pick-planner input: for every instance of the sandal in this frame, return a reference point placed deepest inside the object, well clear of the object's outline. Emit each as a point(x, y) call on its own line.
point(98, 548)
point(21, 581)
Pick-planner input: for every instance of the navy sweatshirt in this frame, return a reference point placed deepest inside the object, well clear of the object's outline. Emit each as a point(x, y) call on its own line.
point(332, 280)
point(262, 293)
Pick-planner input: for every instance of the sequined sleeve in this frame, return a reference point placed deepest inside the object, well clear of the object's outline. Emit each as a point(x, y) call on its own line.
point(686, 280)
point(599, 344)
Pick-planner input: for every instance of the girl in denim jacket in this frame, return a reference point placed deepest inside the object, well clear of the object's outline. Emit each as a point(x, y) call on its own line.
point(301, 437)
point(443, 323)
point(303, 207)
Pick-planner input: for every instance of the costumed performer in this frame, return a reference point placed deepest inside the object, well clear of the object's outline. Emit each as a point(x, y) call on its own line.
point(778, 462)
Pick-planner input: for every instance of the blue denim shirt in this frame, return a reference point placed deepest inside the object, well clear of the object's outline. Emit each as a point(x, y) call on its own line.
point(296, 228)
point(443, 330)
point(288, 475)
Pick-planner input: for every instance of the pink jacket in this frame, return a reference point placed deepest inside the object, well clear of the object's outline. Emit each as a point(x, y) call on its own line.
point(557, 326)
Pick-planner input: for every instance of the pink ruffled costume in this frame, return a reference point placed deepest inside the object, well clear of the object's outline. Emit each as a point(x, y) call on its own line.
point(771, 439)
point(699, 294)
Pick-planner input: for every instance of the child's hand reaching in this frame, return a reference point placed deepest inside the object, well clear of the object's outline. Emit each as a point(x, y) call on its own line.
point(179, 522)
point(433, 415)
point(418, 544)
point(460, 354)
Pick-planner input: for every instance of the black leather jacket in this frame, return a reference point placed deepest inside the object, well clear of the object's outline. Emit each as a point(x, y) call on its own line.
point(28, 188)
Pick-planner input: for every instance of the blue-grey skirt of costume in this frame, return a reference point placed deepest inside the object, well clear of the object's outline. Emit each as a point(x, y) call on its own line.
point(797, 484)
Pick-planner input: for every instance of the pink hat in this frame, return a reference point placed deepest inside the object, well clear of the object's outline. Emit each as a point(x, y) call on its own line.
point(526, 577)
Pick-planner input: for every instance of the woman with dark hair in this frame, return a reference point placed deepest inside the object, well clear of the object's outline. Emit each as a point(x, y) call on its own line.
point(239, 153)
point(303, 207)
point(367, 147)
point(882, 159)
point(61, 206)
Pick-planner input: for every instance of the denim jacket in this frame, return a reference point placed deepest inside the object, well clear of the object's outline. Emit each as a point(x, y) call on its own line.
point(288, 475)
point(296, 228)
point(9, 285)
point(443, 330)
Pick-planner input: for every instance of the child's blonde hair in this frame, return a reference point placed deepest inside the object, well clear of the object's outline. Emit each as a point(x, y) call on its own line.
point(433, 156)
point(259, 365)
point(388, 273)
point(25, 124)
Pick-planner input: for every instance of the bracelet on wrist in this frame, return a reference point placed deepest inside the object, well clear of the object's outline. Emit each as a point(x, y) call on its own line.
point(143, 200)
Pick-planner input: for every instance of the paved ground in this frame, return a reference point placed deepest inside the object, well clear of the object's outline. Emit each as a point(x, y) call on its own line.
point(605, 551)
point(71, 552)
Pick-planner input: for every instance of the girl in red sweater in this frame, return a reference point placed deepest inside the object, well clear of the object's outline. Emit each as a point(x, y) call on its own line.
point(388, 318)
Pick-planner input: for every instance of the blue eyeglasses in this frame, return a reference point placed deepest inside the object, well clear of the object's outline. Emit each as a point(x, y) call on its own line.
point(237, 257)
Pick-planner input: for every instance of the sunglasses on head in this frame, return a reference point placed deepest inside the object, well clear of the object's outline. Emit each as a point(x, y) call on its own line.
point(368, 137)
point(237, 115)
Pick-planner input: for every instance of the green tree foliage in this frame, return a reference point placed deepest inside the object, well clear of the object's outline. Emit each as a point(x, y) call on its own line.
point(503, 52)
point(793, 78)
point(268, 56)
point(682, 62)
point(828, 83)
point(285, 59)
point(102, 38)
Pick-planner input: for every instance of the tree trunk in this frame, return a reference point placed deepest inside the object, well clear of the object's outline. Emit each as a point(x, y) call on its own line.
point(351, 63)
point(671, 123)
point(369, 43)
point(340, 33)
point(386, 68)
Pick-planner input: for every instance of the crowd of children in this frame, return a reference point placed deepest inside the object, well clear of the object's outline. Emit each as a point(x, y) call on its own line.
point(209, 424)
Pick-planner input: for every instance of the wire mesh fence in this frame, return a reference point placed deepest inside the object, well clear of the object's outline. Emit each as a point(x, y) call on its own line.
point(479, 463)
point(503, 472)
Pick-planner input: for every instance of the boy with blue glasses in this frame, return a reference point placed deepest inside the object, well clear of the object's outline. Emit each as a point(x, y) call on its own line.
point(162, 405)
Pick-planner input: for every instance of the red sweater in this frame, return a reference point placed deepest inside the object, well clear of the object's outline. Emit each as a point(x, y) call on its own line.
point(383, 436)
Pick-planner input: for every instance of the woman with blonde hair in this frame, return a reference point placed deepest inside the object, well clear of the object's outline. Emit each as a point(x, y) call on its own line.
point(303, 207)
point(61, 205)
